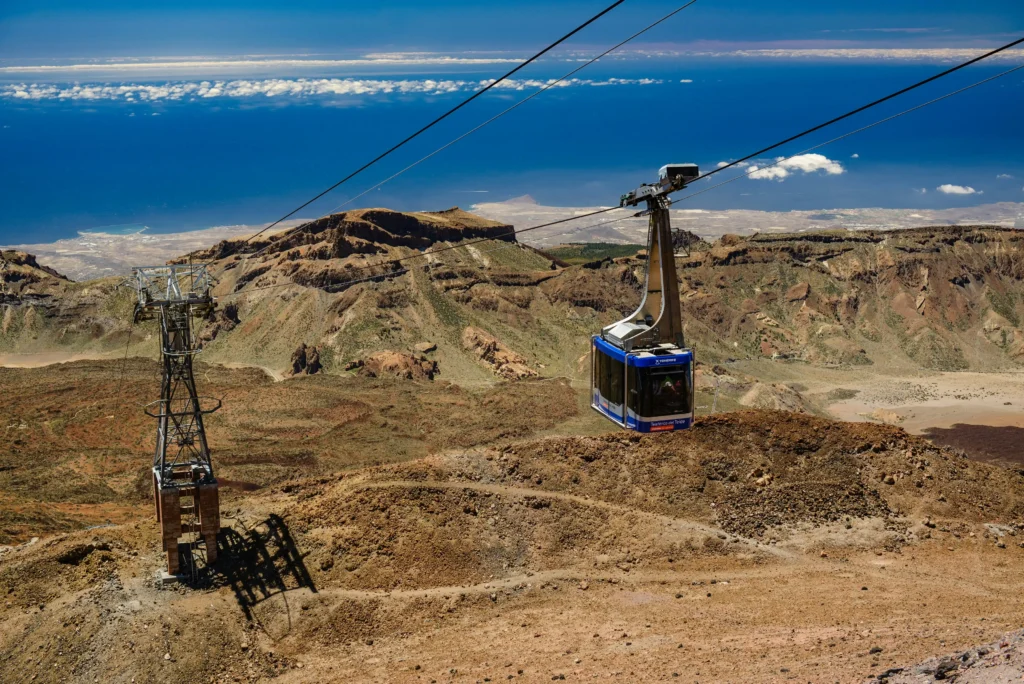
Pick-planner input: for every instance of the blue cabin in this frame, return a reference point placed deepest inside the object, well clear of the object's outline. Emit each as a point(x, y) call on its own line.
point(648, 390)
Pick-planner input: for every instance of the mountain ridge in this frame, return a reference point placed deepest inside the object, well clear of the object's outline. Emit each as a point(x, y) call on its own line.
point(946, 298)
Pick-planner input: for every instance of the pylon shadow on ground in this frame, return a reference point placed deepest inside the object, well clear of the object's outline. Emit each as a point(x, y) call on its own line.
point(257, 562)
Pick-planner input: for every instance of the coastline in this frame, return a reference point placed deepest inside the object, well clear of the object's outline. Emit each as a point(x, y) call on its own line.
point(97, 255)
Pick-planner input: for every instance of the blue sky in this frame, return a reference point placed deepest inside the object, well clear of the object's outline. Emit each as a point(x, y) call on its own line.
point(62, 29)
point(189, 114)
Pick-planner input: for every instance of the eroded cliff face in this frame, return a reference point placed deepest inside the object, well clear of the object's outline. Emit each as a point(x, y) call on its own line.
point(939, 298)
point(22, 279)
point(41, 309)
point(938, 295)
point(363, 231)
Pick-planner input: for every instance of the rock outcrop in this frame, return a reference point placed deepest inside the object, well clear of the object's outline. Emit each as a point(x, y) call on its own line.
point(306, 360)
point(399, 365)
point(366, 231)
point(502, 360)
point(221, 320)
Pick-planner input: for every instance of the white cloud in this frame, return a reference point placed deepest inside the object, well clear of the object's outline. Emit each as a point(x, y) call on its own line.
point(921, 191)
point(276, 87)
point(854, 156)
point(1004, 176)
point(686, 80)
point(768, 173)
point(806, 163)
point(948, 189)
point(722, 164)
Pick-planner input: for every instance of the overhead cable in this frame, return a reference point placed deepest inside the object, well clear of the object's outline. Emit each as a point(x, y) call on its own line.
point(443, 116)
point(547, 86)
point(853, 132)
point(858, 110)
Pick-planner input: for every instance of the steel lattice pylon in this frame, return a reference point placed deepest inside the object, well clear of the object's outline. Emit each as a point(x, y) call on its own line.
point(185, 489)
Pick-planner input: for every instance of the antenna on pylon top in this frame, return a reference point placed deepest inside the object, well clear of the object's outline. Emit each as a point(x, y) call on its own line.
point(185, 489)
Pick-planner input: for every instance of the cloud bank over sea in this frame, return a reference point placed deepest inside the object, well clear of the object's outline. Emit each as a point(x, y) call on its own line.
point(278, 87)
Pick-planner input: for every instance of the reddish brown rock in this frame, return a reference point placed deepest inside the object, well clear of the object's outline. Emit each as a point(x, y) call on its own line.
point(502, 360)
point(400, 365)
point(798, 292)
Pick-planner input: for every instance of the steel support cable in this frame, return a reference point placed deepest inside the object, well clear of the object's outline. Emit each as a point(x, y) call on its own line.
point(858, 110)
point(444, 116)
point(853, 132)
point(635, 214)
point(124, 361)
point(547, 86)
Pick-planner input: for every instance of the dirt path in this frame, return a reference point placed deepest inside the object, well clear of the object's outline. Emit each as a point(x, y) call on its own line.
point(839, 620)
point(529, 580)
point(278, 376)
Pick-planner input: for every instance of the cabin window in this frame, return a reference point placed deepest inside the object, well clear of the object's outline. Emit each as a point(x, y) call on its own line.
point(665, 391)
point(610, 376)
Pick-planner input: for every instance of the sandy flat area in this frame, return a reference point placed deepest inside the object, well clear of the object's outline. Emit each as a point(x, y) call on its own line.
point(40, 359)
point(938, 401)
point(981, 414)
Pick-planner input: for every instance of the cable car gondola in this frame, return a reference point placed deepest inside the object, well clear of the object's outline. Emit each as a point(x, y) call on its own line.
point(641, 371)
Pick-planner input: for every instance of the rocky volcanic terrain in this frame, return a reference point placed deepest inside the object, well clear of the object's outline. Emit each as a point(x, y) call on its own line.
point(757, 547)
point(947, 298)
point(415, 489)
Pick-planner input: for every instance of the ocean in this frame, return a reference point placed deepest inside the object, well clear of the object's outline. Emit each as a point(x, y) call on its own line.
point(179, 155)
